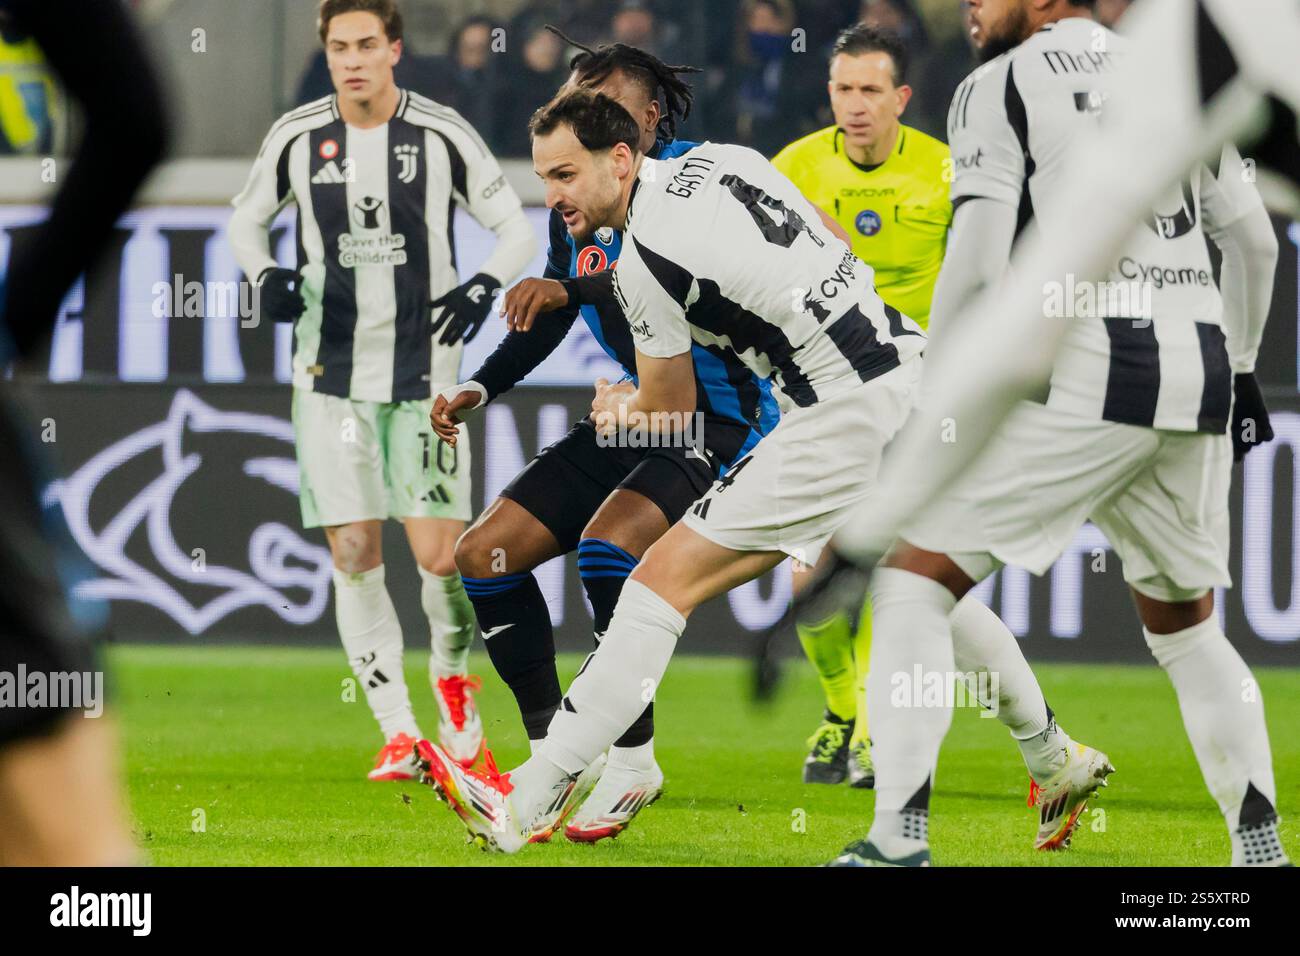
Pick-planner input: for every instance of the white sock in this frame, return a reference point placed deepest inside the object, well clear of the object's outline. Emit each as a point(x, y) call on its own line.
point(372, 639)
point(982, 644)
point(534, 783)
point(910, 630)
point(611, 689)
point(451, 623)
point(641, 757)
point(1223, 713)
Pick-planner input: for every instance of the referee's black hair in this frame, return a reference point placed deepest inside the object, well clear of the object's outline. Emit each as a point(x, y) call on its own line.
point(659, 79)
point(862, 39)
point(598, 121)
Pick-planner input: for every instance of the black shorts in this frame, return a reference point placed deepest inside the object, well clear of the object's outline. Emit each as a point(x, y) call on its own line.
point(37, 632)
point(567, 482)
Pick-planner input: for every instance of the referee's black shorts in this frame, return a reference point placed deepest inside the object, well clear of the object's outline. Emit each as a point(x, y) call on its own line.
point(37, 632)
point(567, 482)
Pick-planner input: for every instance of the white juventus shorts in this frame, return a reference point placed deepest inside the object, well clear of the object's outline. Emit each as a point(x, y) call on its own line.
point(1160, 498)
point(798, 485)
point(359, 461)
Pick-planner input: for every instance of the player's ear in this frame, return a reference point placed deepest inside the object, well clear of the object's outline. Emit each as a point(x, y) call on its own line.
point(395, 52)
point(904, 97)
point(622, 157)
point(652, 116)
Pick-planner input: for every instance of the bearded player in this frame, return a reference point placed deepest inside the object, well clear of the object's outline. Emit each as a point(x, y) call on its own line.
point(848, 376)
point(609, 503)
point(1142, 413)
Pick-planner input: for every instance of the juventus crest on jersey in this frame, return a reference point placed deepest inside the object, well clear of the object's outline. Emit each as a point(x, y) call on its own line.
point(375, 241)
point(722, 250)
point(1149, 348)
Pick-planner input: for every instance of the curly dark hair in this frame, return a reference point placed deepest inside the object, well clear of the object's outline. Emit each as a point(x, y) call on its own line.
point(659, 79)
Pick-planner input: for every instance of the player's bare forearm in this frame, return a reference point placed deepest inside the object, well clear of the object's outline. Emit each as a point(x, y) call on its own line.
point(664, 385)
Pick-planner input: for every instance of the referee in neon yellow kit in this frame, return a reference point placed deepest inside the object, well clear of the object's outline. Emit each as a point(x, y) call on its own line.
point(887, 185)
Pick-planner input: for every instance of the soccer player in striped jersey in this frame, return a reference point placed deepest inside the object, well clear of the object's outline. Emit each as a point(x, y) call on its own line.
point(1132, 431)
point(720, 249)
point(887, 185)
point(376, 173)
point(608, 503)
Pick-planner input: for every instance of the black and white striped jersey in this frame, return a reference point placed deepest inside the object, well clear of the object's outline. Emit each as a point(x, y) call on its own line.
point(375, 243)
point(724, 251)
point(1146, 347)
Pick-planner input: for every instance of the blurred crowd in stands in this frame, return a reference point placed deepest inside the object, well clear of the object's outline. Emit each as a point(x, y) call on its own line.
point(764, 62)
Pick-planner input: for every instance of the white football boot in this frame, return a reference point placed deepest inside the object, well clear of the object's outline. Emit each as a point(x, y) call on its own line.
point(396, 760)
point(482, 799)
point(625, 789)
point(460, 729)
point(1063, 798)
point(565, 799)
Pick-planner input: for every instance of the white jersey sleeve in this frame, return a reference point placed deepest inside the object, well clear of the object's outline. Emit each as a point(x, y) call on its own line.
point(655, 315)
point(1236, 221)
point(265, 193)
point(987, 156)
point(1230, 192)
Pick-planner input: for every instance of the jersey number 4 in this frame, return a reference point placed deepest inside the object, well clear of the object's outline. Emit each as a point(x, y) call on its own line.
point(782, 233)
point(701, 509)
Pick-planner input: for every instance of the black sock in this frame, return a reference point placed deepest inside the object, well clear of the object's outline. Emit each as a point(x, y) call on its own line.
point(603, 568)
point(516, 626)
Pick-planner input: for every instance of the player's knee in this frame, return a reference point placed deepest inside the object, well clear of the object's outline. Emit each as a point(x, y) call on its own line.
point(478, 553)
point(940, 568)
point(663, 578)
point(355, 548)
point(1167, 609)
point(441, 563)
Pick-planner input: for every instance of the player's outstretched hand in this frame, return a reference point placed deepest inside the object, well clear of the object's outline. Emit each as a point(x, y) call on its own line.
point(529, 299)
point(463, 309)
point(279, 295)
point(1250, 424)
point(452, 405)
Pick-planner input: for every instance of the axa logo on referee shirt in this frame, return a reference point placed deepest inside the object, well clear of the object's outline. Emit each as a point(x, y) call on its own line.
point(868, 222)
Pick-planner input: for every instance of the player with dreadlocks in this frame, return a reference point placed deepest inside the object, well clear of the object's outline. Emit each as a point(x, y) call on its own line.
point(607, 499)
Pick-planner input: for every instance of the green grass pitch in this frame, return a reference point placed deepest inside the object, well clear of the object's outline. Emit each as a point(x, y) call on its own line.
point(250, 756)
